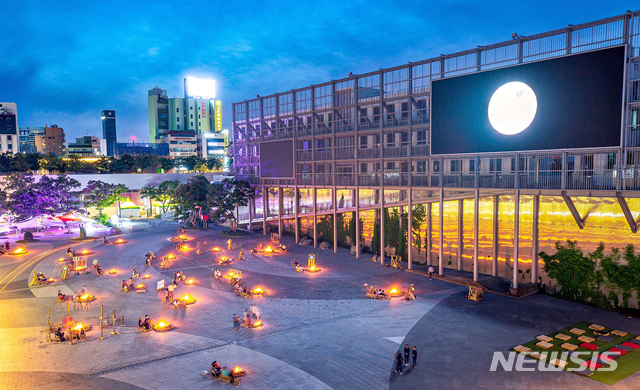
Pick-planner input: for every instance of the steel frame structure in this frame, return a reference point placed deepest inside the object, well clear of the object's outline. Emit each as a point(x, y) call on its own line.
point(372, 131)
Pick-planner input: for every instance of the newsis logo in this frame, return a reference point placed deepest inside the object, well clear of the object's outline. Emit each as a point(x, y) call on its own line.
point(523, 362)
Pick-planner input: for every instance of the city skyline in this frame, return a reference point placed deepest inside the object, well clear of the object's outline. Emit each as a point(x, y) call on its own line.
point(65, 75)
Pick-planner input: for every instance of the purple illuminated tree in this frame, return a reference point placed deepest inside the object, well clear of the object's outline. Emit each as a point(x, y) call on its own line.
point(225, 198)
point(23, 197)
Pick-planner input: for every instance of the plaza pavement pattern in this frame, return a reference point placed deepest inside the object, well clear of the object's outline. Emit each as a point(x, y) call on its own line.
point(320, 331)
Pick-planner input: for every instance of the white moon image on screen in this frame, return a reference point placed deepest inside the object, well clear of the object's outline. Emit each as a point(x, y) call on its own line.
point(512, 108)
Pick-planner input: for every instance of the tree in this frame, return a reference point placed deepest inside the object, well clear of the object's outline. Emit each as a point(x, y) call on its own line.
point(191, 196)
point(19, 163)
point(213, 164)
point(225, 198)
point(124, 164)
point(5, 162)
point(163, 194)
point(33, 160)
point(99, 194)
point(23, 197)
point(53, 163)
point(102, 164)
point(419, 215)
point(74, 164)
point(572, 270)
point(166, 163)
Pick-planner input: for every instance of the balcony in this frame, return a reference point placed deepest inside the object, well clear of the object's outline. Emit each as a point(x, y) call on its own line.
point(399, 151)
point(371, 180)
point(369, 153)
point(345, 154)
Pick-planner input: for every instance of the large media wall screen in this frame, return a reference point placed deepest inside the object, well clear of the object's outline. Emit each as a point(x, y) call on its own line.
point(563, 103)
point(276, 159)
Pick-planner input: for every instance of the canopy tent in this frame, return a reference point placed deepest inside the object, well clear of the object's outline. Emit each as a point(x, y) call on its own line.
point(128, 205)
point(69, 217)
point(29, 223)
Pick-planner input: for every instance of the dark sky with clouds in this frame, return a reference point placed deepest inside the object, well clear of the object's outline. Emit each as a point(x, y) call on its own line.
point(63, 62)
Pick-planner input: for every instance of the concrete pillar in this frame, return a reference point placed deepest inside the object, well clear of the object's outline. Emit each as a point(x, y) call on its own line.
point(428, 233)
point(410, 228)
point(315, 217)
point(265, 209)
point(357, 237)
point(335, 220)
point(496, 209)
point(296, 205)
point(280, 205)
point(441, 228)
point(251, 206)
point(460, 231)
point(382, 226)
point(534, 239)
point(476, 225)
point(516, 237)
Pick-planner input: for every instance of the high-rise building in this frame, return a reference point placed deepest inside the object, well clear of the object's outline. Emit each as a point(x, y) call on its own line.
point(158, 114)
point(31, 139)
point(198, 111)
point(211, 145)
point(109, 130)
point(54, 140)
point(139, 149)
point(8, 128)
point(182, 143)
point(42, 140)
point(86, 146)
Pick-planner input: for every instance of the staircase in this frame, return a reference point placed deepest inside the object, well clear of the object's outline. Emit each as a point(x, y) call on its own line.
point(495, 283)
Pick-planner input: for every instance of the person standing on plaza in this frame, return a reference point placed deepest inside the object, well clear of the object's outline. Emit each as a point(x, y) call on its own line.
point(431, 271)
point(399, 363)
point(229, 244)
point(415, 357)
point(241, 255)
point(236, 323)
point(406, 354)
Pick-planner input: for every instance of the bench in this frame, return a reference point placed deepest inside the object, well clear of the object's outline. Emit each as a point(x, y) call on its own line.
point(545, 345)
point(569, 346)
point(596, 327)
point(586, 339)
point(577, 331)
point(619, 333)
point(521, 349)
point(545, 338)
point(563, 337)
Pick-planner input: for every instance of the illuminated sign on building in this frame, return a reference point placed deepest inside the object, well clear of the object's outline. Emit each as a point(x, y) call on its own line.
point(204, 108)
point(218, 116)
point(199, 88)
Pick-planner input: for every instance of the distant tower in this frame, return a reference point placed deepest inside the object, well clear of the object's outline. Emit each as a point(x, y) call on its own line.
point(109, 130)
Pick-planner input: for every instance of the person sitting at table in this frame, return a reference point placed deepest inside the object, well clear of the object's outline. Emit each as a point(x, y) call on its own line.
point(61, 296)
point(181, 276)
point(147, 261)
point(237, 289)
point(105, 240)
point(69, 250)
point(295, 263)
point(299, 269)
point(380, 293)
point(123, 286)
point(245, 290)
point(140, 323)
point(99, 270)
point(247, 321)
point(135, 273)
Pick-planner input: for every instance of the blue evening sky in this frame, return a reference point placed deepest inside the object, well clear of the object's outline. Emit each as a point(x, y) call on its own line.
point(63, 62)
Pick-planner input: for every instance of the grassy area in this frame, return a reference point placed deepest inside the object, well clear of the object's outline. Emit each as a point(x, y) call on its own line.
point(231, 233)
point(627, 364)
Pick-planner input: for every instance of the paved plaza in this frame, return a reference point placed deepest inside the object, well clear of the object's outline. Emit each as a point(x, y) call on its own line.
point(320, 332)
